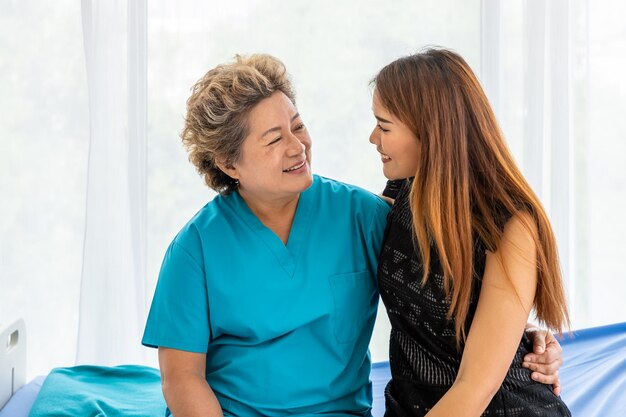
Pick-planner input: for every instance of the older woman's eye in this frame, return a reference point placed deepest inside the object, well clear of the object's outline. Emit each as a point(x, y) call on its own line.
point(275, 141)
point(299, 127)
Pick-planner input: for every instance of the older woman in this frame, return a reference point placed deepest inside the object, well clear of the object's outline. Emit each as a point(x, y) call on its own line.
point(266, 299)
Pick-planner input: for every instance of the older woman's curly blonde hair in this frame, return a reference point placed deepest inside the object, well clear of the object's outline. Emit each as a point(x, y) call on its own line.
point(217, 112)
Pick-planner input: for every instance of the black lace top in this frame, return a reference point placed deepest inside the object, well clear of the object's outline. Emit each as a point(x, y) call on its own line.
point(422, 353)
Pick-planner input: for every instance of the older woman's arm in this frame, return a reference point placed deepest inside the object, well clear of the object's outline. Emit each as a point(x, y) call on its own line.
point(546, 358)
point(185, 388)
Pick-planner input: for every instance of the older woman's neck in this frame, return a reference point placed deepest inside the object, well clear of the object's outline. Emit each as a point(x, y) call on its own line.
point(276, 213)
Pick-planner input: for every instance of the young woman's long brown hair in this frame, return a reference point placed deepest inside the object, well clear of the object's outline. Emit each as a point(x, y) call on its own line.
point(465, 178)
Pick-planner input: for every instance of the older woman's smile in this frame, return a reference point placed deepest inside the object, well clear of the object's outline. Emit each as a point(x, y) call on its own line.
point(296, 169)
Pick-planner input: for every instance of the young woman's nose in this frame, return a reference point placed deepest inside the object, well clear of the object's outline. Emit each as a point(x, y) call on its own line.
point(374, 136)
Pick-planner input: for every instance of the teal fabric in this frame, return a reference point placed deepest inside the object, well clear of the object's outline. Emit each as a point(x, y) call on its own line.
point(285, 328)
point(95, 391)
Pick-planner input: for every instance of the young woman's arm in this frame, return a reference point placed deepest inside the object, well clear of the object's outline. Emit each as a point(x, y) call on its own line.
point(185, 388)
point(504, 305)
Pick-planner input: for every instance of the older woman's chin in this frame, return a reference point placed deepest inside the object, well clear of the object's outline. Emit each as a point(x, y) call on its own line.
point(305, 180)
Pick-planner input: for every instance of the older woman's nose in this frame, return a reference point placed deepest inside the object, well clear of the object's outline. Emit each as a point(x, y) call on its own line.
point(296, 146)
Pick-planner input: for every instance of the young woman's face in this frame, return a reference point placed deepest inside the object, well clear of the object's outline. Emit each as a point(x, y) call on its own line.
point(396, 143)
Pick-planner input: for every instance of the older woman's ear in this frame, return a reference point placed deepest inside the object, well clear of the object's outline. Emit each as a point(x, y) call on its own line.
point(227, 168)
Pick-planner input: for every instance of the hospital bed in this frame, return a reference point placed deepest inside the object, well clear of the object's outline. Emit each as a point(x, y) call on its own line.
point(593, 378)
point(12, 359)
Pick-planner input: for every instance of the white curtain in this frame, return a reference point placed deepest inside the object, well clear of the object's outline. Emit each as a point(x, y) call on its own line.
point(543, 105)
point(113, 289)
point(547, 141)
point(490, 59)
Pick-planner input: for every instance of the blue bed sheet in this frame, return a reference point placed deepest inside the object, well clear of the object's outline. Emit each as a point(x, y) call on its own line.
point(22, 401)
point(128, 390)
point(594, 371)
point(593, 377)
point(380, 376)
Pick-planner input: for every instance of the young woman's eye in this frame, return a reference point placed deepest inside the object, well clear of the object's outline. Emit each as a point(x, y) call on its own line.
point(382, 129)
point(299, 127)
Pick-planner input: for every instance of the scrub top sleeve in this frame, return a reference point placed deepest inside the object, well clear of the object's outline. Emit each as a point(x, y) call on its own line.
point(377, 230)
point(179, 315)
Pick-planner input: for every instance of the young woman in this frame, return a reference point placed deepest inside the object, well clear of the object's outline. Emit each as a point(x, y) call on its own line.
point(468, 251)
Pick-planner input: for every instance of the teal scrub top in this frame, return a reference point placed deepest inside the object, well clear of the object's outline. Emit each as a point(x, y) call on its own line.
point(285, 328)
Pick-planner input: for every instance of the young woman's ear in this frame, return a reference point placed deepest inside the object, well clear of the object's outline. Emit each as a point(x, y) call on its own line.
point(227, 168)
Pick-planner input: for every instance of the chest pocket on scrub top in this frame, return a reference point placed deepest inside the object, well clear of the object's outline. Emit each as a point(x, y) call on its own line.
point(352, 299)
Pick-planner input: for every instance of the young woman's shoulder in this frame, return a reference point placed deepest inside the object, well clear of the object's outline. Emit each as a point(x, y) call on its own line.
point(520, 230)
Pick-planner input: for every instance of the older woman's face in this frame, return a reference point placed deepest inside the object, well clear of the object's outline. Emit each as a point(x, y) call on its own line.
point(275, 160)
